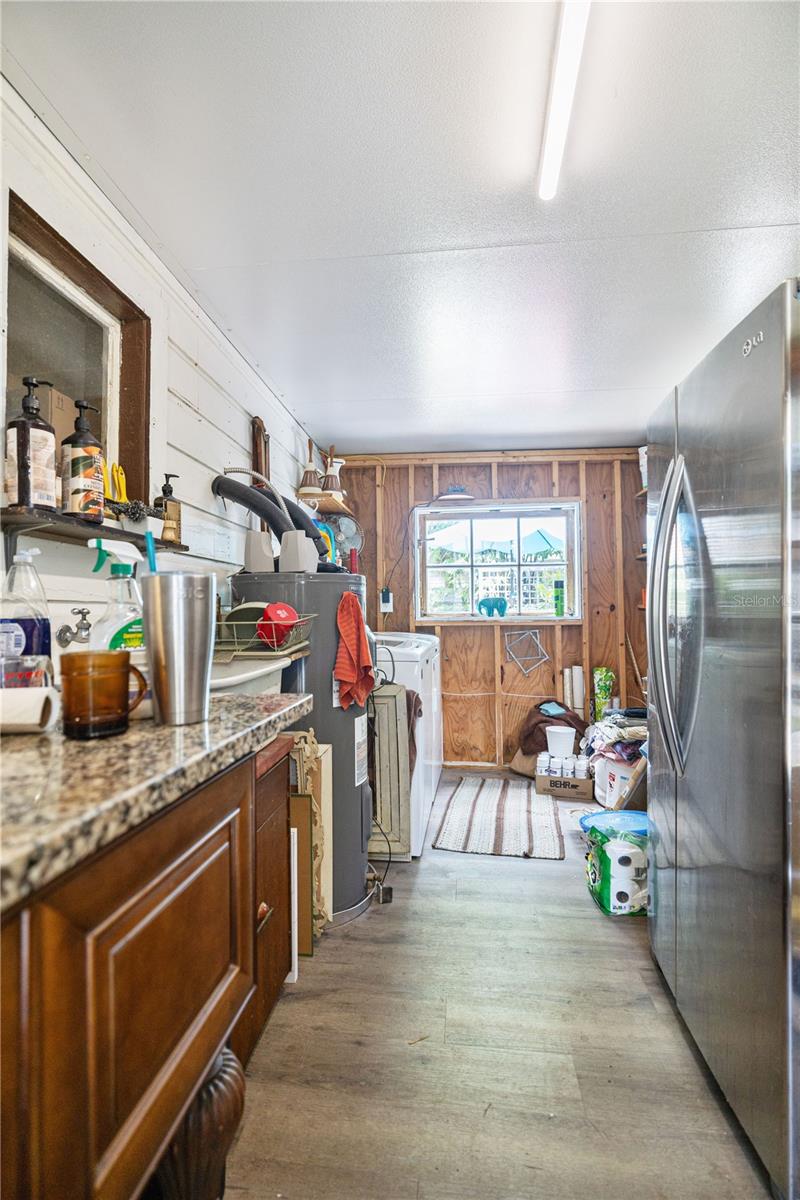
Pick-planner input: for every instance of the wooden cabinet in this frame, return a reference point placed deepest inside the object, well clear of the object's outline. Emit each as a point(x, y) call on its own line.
point(120, 986)
point(272, 895)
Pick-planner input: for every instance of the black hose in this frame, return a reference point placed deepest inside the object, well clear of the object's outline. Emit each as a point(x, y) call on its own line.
point(255, 500)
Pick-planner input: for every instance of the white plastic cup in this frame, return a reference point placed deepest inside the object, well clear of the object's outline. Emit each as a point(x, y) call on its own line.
point(560, 740)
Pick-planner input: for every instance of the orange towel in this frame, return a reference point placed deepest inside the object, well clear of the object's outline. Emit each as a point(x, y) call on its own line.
point(353, 670)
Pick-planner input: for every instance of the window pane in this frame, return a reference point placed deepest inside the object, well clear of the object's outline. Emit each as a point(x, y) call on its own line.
point(543, 538)
point(447, 542)
point(448, 590)
point(538, 589)
point(495, 583)
point(48, 336)
point(495, 540)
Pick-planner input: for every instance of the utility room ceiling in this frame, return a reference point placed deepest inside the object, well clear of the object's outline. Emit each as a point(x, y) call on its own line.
point(350, 191)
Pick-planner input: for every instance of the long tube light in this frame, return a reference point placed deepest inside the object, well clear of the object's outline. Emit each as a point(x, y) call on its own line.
point(571, 36)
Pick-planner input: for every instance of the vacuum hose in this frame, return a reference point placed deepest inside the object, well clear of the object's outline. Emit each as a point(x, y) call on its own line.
point(257, 501)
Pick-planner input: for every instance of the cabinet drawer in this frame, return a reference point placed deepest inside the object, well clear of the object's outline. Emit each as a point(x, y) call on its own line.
point(140, 964)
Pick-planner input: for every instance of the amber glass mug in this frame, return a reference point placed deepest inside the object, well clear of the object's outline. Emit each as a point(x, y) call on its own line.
point(95, 693)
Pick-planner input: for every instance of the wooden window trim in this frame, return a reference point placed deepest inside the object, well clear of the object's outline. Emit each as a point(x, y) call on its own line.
point(134, 383)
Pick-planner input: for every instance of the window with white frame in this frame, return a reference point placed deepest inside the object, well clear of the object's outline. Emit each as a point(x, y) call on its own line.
point(498, 560)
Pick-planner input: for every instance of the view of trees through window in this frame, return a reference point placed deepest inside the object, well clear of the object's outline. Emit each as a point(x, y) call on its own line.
point(495, 562)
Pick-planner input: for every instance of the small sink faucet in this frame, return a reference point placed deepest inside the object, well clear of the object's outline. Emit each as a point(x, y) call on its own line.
point(65, 634)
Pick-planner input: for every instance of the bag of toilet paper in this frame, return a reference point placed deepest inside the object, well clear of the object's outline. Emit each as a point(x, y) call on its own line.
point(616, 861)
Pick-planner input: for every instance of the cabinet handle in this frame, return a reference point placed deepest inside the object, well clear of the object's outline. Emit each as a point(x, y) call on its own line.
point(263, 914)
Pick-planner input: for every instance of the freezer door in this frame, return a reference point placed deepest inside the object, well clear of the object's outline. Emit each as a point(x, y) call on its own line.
point(731, 961)
point(660, 773)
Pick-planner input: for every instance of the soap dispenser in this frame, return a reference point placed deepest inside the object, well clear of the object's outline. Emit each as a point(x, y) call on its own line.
point(30, 454)
point(169, 510)
point(82, 469)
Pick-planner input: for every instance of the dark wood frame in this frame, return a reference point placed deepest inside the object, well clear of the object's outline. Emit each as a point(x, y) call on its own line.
point(134, 384)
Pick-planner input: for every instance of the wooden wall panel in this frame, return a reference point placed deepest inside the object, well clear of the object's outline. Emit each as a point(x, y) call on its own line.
point(397, 537)
point(603, 646)
point(361, 498)
point(486, 698)
point(467, 659)
point(468, 693)
point(524, 481)
point(634, 511)
point(569, 482)
point(475, 477)
point(470, 734)
point(423, 484)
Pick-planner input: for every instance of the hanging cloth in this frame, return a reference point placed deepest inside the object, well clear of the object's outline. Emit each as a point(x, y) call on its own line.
point(353, 670)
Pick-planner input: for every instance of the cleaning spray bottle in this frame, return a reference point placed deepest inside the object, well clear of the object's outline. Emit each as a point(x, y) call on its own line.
point(120, 627)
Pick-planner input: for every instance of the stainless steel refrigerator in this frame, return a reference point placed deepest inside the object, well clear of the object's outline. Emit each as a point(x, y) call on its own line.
point(723, 614)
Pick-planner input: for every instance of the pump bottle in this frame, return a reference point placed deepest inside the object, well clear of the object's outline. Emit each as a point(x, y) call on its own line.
point(82, 469)
point(30, 454)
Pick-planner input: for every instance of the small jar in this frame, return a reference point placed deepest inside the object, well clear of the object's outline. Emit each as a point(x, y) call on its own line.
point(569, 767)
point(556, 768)
point(581, 767)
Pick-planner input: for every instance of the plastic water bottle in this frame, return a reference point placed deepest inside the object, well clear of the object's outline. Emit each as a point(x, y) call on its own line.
point(24, 612)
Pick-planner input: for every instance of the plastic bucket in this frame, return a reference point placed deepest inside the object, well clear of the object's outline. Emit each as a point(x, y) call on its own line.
point(560, 740)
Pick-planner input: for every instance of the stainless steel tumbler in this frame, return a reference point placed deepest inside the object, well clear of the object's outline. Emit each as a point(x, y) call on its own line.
point(179, 616)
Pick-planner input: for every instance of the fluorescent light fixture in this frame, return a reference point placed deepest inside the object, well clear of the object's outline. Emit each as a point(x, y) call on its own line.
point(571, 35)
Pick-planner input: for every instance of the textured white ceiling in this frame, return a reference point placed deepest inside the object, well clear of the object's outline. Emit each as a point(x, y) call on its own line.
point(350, 190)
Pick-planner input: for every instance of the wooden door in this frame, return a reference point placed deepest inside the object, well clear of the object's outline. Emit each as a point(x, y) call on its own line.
point(272, 897)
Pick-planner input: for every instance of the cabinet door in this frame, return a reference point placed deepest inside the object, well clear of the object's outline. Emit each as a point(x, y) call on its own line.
point(272, 903)
point(140, 964)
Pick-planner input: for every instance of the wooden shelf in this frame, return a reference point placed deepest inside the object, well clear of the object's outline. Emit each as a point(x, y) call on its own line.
point(642, 492)
point(326, 505)
point(641, 558)
point(642, 607)
point(64, 527)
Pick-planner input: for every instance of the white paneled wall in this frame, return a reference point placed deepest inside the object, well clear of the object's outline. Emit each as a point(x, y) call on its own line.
point(203, 392)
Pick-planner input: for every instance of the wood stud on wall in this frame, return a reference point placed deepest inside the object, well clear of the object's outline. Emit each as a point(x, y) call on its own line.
point(486, 697)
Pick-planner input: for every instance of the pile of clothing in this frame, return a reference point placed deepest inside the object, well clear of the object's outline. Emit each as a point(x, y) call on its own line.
point(614, 745)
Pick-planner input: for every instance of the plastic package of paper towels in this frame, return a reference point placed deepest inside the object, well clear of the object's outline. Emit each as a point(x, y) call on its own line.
point(29, 710)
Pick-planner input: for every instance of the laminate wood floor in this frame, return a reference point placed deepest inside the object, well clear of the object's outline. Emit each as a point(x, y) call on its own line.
point(489, 1035)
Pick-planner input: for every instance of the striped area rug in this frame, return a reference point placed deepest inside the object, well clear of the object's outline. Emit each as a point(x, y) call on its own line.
point(500, 816)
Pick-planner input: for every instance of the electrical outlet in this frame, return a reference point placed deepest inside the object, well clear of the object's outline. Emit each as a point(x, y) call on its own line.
point(387, 601)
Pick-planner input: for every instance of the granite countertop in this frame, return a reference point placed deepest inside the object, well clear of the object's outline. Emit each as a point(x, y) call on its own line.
point(62, 800)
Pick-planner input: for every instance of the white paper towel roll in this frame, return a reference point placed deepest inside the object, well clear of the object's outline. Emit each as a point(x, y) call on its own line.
point(578, 690)
point(626, 858)
point(29, 710)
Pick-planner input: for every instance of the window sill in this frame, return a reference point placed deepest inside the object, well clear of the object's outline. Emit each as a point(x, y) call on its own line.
point(467, 620)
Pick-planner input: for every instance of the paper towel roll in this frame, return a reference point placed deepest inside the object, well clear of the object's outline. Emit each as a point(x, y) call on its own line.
point(568, 700)
point(578, 690)
point(29, 710)
point(626, 858)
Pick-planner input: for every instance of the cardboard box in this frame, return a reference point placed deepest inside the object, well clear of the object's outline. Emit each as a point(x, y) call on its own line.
point(565, 788)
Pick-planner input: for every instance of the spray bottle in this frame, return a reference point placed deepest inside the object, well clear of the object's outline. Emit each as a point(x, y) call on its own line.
point(120, 627)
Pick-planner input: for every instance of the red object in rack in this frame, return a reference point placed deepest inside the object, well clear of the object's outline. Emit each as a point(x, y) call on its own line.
point(276, 624)
point(353, 562)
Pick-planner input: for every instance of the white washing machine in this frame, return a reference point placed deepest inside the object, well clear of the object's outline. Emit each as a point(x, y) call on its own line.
point(412, 660)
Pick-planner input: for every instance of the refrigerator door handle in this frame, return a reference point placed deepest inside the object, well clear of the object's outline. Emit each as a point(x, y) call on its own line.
point(661, 617)
point(656, 614)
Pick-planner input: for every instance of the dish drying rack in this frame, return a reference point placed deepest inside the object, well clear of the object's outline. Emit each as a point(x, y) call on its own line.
point(241, 637)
